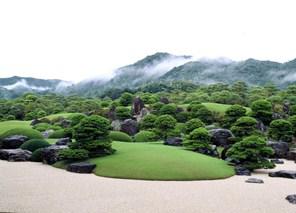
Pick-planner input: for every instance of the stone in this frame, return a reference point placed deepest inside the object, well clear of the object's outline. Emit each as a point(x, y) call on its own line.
point(164, 100)
point(82, 167)
point(240, 170)
point(220, 137)
point(209, 151)
point(63, 141)
point(111, 113)
point(35, 121)
point(129, 126)
point(277, 161)
point(137, 105)
point(13, 142)
point(254, 180)
point(46, 133)
point(116, 125)
point(142, 114)
point(15, 154)
point(260, 126)
point(291, 198)
point(65, 123)
point(173, 141)
point(281, 149)
point(49, 154)
point(284, 174)
point(292, 154)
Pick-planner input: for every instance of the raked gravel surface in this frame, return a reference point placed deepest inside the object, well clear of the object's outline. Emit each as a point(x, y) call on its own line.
point(34, 187)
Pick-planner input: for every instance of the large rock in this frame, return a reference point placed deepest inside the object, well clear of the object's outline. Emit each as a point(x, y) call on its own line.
point(281, 149)
point(47, 133)
point(13, 142)
point(277, 161)
point(137, 105)
point(164, 100)
point(291, 198)
point(63, 141)
point(35, 121)
point(49, 154)
point(220, 137)
point(116, 125)
point(292, 154)
point(129, 126)
point(240, 170)
point(15, 154)
point(82, 167)
point(174, 141)
point(284, 174)
point(254, 180)
point(260, 126)
point(142, 114)
point(212, 151)
point(111, 113)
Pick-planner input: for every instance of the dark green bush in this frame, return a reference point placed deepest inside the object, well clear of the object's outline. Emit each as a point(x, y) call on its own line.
point(36, 155)
point(281, 130)
point(262, 110)
point(168, 109)
point(120, 136)
point(145, 136)
point(252, 153)
point(30, 133)
point(243, 127)
point(193, 124)
point(292, 120)
point(198, 139)
point(76, 118)
point(126, 99)
point(122, 113)
point(58, 134)
point(164, 124)
point(73, 154)
point(34, 144)
point(233, 113)
point(41, 127)
point(148, 122)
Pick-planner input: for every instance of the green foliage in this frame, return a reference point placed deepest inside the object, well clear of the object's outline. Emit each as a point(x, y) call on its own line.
point(10, 117)
point(262, 110)
point(76, 118)
point(126, 99)
point(30, 133)
point(197, 139)
point(41, 127)
point(292, 110)
point(225, 97)
point(168, 109)
point(204, 114)
point(292, 120)
point(244, 126)
point(145, 136)
point(183, 116)
point(164, 124)
point(122, 113)
point(41, 114)
point(73, 154)
point(148, 122)
point(36, 155)
point(252, 153)
point(193, 124)
point(281, 130)
point(58, 134)
point(233, 113)
point(34, 144)
point(120, 136)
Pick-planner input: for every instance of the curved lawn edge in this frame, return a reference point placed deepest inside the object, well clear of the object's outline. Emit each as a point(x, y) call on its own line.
point(140, 161)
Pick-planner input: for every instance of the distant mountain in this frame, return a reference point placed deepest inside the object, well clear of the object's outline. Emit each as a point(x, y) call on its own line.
point(15, 86)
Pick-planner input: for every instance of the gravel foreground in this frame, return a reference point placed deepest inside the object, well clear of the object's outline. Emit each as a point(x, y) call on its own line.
point(34, 187)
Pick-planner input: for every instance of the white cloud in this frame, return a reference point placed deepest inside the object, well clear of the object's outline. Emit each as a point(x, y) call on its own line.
point(74, 40)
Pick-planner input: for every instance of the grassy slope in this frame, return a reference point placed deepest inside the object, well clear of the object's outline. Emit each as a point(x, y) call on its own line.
point(158, 162)
point(65, 115)
point(8, 125)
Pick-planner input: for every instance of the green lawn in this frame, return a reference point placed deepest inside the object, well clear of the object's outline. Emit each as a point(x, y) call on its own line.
point(148, 161)
point(8, 125)
point(65, 115)
point(215, 107)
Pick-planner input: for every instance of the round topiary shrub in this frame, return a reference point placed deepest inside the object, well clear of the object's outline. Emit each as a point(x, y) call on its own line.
point(120, 136)
point(34, 144)
point(148, 121)
point(281, 130)
point(30, 133)
point(193, 124)
point(36, 155)
point(73, 154)
point(145, 136)
point(41, 127)
point(58, 134)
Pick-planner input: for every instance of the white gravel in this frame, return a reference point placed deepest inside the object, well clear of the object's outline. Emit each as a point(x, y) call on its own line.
point(34, 187)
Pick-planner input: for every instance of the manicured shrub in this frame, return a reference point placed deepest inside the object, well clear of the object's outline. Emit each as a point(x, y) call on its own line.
point(58, 134)
point(164, 124)
point(193, 124)
point(126, 99)
point(148, 122)
point(183, 117)
point(262, 110)
point(76, 118)
point(41, 114)
point(181, 127)
point(10, 117)
point(120, 136)
point(30, 133)
point(122, 113)
point(243, 127)
point(198, 139)
point(233, 113)
point(281, 130)
point(34, 144)
point(292, 110)
point(252, 153)
point(145, 136)
point(168, 109)
point(36, 155)
point(73, 154)
point(292, 120)
point(201, 112)
point(41, 127)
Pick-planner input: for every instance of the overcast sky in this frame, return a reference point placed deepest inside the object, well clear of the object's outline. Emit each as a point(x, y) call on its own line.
point(74, 40)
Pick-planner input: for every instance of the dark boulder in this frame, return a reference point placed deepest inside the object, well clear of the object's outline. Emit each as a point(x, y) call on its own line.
point(254, 180)
point(111, 113)
point(174, 141)
point(49, 154)
point(137, 106)
point(82, 167)
point(220, 137)
point(164, 100)
point(13, 142)
point(292, 154)
point(281, 149)
point(277, 161)
point(240, 170)
point(212, 151)
point(15, 154)
point(260, 126)
point(63, 141)
point(284, 174)
point(291, 198)
point(129, 126)
point(35, 121)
